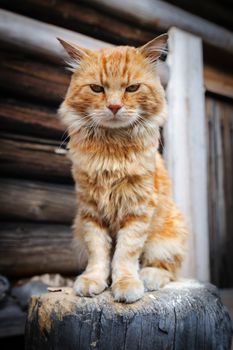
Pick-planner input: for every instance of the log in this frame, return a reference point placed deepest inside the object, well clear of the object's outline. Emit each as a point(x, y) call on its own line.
point(33, 79)
point(159, 14)
point(88, 20)
point(218, 81)
point(28, 249)
point(40, 38)
point(34, 160)
point(183, 315)
point(37, 201)
point(35, 120)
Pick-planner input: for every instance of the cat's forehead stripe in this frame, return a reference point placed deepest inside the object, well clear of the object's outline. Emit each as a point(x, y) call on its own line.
point(114, 63)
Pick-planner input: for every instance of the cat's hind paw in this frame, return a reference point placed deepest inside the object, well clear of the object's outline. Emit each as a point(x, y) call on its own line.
point(88, 286)
point(154, 278)
point(127, 290)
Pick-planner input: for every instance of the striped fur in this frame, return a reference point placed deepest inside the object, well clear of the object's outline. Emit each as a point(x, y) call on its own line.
point(129, 231)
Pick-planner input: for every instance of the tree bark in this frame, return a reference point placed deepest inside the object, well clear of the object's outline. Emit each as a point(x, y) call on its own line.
point(183, 315)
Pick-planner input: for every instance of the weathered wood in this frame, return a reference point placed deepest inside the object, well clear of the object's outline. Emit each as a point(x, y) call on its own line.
point(90, 21)
point(217, 12)
point(183, 315)
point(22, 76)
point(185, 145)
point(36, 201)
point(34, 160)
point(24, 118)
point(159, 14)
point(219, 118)
point(218, 81)
point(40, 38)
point(27, 249)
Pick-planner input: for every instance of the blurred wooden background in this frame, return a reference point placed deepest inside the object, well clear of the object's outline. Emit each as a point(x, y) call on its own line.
point(37, 200)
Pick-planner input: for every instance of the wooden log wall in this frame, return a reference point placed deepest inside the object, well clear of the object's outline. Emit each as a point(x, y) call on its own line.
point(37, 200)
point(32, 85)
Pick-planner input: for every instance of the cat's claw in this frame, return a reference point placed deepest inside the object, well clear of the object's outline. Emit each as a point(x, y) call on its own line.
point(127, 290)
point(88, 286)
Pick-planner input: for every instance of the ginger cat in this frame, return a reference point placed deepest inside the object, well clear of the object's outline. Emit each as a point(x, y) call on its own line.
point(128, 229)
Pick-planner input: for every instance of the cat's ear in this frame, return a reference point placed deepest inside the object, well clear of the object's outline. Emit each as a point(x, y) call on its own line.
point(75, 52)
point(155, 48)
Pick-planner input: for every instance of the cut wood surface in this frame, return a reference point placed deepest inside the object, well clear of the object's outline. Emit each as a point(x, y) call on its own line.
point(41, 161)
point(183, 315)
point(36, 201)
point(27, 249)
point(159, 14)
point(18, 116)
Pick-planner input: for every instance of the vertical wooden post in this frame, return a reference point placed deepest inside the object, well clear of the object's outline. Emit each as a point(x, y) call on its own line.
point(186, 145)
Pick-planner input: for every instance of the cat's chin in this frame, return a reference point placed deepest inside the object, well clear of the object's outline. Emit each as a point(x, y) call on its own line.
point(114, 123)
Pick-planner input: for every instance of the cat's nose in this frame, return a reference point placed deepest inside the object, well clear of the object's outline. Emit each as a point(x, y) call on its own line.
point(114, 108)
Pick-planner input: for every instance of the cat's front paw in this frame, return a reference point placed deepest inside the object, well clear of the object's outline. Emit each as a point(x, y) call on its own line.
point(154, 278)
point(88, 286)
point(127, 289)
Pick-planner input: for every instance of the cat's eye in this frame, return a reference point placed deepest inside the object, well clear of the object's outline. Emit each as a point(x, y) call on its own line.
point(97, 88)
point(132, 88)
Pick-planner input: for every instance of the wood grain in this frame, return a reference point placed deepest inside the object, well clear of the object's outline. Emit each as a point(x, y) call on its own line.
point(28, 249)
point(184, 315)
point(88, 20)
point(218, 82)
point(219, 117)
point(31, 119)
point(26, 77)
point(159, 14)
point(186, 146)
point(34, 160)
point(36, 201)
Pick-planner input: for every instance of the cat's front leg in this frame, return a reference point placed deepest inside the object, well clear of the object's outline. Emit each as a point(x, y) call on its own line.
point(126, 284)
point(98, 245)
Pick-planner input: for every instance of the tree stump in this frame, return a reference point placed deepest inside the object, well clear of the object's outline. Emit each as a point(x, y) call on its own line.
point(184, 315)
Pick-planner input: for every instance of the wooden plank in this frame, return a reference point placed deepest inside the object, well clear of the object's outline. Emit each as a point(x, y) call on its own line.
point(27, 249)
point(185, 145)
point(32, 79)
point(40, 38)
point(218, 81)
point(88, 20)
point(217, 219)
point(159, 14)
point(35, 120)
point(34, 160)
point(36, 201)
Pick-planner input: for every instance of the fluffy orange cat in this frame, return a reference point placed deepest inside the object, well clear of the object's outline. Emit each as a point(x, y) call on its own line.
point(128, 229)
